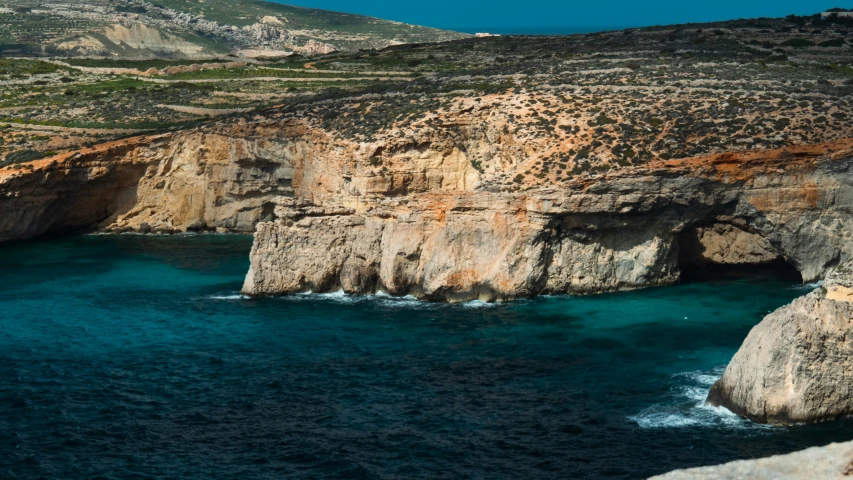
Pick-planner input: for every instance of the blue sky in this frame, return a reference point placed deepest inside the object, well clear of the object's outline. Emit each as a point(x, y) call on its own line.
point(569, 13)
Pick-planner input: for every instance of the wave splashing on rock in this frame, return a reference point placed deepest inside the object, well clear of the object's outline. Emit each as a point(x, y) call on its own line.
point(686, 406)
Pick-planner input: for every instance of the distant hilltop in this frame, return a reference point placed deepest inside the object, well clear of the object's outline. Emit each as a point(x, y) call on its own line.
point(189, 29)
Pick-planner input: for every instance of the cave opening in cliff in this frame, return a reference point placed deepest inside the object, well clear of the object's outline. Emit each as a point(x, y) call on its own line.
point(726, 251)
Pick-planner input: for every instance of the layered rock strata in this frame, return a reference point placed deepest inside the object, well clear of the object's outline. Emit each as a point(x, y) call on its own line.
point(614, 232)
point(414, 215)
point(795, 366)
point(188, 181)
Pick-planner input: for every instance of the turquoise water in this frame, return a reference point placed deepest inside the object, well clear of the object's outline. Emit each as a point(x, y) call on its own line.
point(135, 358)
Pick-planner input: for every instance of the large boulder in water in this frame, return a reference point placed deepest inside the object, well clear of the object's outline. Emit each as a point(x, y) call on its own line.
point(796, 366)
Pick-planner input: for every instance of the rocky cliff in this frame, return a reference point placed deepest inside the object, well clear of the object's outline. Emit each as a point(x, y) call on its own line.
point(418, 215)
point(187, 181)
point(794, 367)
point(436, 231)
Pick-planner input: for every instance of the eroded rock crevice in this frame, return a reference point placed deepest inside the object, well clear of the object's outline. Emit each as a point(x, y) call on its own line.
point(188, 181)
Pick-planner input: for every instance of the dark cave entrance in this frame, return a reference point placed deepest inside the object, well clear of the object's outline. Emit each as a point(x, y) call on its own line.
point(727, 252)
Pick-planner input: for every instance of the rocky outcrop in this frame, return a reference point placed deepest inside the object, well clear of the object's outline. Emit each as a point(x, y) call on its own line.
point(725, 244)
point(795, 366)
point(313, 47)
point(186, 181)
point(832, 462)
point(457, 241)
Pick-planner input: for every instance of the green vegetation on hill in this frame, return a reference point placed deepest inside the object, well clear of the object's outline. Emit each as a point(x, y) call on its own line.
point(603, 101)
point(246, 12)
point(192, 29)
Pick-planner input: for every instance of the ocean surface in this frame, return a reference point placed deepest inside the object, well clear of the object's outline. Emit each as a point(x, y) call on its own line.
point(136, 358)
point(554, 30)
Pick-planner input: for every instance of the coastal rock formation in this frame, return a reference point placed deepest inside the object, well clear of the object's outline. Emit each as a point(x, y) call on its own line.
point(832, 462)
point(416, 214)
point(795, 366)
point(456, 241)
point(189, 181)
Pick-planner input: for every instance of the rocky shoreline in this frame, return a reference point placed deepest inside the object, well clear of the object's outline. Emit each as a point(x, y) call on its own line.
point(795, 366)
point(430, 225)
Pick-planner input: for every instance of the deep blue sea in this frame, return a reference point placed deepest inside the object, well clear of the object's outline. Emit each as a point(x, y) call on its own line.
point(548, 31)
point(136, 358)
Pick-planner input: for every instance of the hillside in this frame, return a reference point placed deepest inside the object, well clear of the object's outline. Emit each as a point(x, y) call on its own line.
point(192, 29)
point(574, 105)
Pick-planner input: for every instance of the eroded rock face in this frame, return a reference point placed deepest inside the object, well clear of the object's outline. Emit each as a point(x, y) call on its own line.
point(188, 181)
point(795, 366)
point(456, 241)
point(832, 462)
point(418, 214)
point(726, 244)
point(452, 247)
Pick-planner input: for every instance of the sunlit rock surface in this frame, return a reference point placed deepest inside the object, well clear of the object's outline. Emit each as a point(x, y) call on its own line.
point(832, 462)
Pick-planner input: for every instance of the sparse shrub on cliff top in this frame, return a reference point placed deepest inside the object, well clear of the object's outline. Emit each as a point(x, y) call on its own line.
point(837, 42)
point(22, 156)
point(798, 43)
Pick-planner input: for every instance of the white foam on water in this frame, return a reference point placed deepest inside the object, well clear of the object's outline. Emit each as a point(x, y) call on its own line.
point(235, 296)
point(687, 407)
point(379, 298)
point(384, 299)
point(478, 304)
point(809, 286)
point(408, 301)
point(340, 295)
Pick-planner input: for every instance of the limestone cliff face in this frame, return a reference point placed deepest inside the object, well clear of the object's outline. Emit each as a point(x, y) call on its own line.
point(416, 213)
point(434, 231)
point(167, 183)
point(794, 367)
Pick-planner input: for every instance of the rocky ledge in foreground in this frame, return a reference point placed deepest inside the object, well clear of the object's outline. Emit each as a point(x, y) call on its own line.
point(795, 366)
point(832, 462)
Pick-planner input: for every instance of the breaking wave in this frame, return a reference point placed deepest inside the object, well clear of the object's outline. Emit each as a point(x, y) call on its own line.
point(233, 296)
point(382, 299)
point(687, 408)
point(808, 286)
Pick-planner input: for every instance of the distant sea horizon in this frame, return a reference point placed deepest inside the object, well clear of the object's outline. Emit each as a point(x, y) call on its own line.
point(552, 30)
